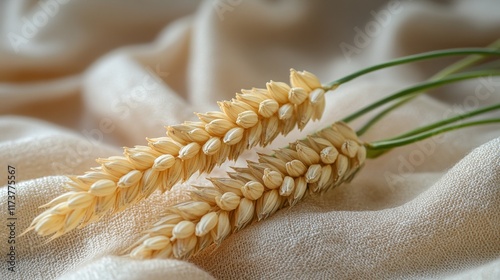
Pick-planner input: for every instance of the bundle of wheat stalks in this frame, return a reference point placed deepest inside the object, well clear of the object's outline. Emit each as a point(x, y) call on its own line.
point(315, 164)
point(255, 116)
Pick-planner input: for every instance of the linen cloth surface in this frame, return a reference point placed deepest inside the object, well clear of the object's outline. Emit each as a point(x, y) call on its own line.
point(81, 79)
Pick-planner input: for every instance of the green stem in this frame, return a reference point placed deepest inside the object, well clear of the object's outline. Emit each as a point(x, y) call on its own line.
point(465, 63)
point(420, 87)
point(386, 145)
point(447, 121)
point(451, 69)
point(412, 58)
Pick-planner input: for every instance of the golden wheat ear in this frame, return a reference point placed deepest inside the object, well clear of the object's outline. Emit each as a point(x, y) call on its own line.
point(322, 161)
point(253, 117)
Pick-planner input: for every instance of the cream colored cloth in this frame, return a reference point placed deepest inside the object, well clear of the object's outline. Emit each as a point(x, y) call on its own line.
point(80, 79)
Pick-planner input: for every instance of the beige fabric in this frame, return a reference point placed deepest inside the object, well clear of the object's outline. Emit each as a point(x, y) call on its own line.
point(71, 91)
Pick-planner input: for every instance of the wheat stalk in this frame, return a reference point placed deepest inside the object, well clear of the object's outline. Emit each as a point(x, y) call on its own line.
point(322, 161)
point(253, 117)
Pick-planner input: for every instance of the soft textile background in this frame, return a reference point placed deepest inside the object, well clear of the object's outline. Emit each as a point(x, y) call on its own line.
point(80, 79)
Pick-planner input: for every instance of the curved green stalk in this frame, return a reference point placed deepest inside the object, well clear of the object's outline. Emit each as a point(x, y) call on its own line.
point(378, 148)
point(447, 71)
point(464, 63)
point(421, 87)
point(412, 58)
point(448, 121)
point(388, 144)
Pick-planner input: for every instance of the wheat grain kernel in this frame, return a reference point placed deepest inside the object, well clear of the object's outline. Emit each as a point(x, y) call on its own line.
point(189, 151)
point(268, 107)
point(295, 168)
point(164, 145)
point(198, 135)
point(140, 160)
point(350, 148)
point(115, 165)
point(103, 188)
point(300, 189)
point(286, 111)
point(80, 200)
point(228, 201)
point(297, 95)
point(304, 79)
point(92, 176)
point(317, 96)
point(212, 146)
point(329, 155)
point(326, 175)
point(268, 204)
point(307, 155)
point(183, 229)
point(342, 165)
point(156, 243)
point(243, 214)
point(247, 119)
point(272, 179)
point(313, 173)
point(163, 162)
point(252, 190)
point(130, 179)
point(287, 186)
point(74, 218)
point(278, 91)
point(233, 136)
point(223, 227)
point(206, 223)
point(219, 127)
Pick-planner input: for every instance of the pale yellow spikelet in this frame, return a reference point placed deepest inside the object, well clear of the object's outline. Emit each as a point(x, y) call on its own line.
point(255, 192)
point(252, 190)
point(80, 200)
point(206, 223)
point(183, 229)
point(228, 201)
